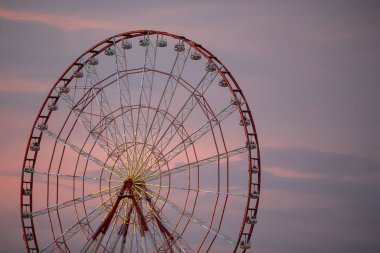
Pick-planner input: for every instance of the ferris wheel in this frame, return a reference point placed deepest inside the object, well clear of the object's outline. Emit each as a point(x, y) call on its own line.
point(145, 143)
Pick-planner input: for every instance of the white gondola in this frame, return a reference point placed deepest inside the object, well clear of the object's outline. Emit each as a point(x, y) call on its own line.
point(144, 42)
point(109, 51)
point(246, 120)
point(78, 74)
point(126, 44)
point(93, 61)
point(255, 170)
point(235, 101)
point(223, 83)
point(250, 144)
point(52, 107)
point(251, 220)
point(210, 66)
point(29, 170)
point(34, 146)
point(64, 90)
point(195, 56)
point(162, 43)
point(42, 126)
point(179, 47)
point(254, 195)
point(26, 215)
point(29, 237)
point(26, 192)
point(245, 245)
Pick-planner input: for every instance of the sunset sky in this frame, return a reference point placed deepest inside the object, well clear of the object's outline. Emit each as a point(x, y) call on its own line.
point(310, 71)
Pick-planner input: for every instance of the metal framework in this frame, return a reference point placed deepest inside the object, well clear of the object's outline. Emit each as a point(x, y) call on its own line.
point(145, 143)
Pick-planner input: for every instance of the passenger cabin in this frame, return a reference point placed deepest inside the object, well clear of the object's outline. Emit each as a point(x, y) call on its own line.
point(250, 144)
point(109, 51)
point(235, 101)
point(26, 215)
point(223, 83)
point(126, 44)
point(64, 90)
point(26, 192)
point(144, 42)
point(34, 146)
point(195, 56)
point(179, 47)
point(29, 170)
point(251, 220)
point(78, 74)
point(93, 61)
point(42, 126)
point(210, 66)
point(29, 237)
point(245, 120)
point(254, 195)
point(245, 245)
point(162, 43)
point(255, 170)
point(52, 107)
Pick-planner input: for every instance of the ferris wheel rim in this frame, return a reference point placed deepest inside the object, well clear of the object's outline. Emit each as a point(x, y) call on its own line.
point(222, 71)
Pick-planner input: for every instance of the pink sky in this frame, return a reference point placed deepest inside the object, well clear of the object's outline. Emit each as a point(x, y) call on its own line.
point(309, 70)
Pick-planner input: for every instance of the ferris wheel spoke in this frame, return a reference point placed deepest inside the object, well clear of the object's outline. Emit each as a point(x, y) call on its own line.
point(167, 96)
point(104, 105)
point(76, 200)
point(146, 86)
point(124, 96)
point(77, 177)
point(196, 220)
point(77, 227)
point(112, 127)
point(187, 108)
point(198, 190)
point(197, 164)
point(79, 151)
point(103, 141)
point(183, 113)
point(203, 130)
point(147, 93)
point(192, 138)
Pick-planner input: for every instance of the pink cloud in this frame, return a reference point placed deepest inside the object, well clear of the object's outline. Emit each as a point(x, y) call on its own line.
point(283, 200)
point(286, 173)
point(64, 22)
point(16, 84)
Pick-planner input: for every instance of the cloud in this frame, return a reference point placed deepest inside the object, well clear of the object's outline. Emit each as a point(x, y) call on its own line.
point(301, 163)
point(281, 172)
point(64, 22)
point(310, 195)
point(17, 84)
point(286, 201)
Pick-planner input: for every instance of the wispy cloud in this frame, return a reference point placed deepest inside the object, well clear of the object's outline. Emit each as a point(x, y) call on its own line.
point(287, 173)
point(17, 84)
point(64, 22)
point(285, 200)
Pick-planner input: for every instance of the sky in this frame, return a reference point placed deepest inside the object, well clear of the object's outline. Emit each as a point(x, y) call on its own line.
point(309, 70)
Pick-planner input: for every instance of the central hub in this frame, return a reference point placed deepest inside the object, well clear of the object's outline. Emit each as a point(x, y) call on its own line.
point(128, 183)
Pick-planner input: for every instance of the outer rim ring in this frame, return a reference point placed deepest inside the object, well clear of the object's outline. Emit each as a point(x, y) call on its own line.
point(30, 157)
